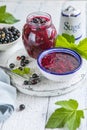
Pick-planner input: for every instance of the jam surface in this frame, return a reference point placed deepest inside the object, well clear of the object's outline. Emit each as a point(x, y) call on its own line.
point(39, 35)
point(59, 62)
point(39, 20)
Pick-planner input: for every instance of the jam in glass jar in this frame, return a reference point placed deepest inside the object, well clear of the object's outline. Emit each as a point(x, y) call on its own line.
point(38, 33)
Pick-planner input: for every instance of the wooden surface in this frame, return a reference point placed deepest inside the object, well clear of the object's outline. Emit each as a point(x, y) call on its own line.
point(38, 109)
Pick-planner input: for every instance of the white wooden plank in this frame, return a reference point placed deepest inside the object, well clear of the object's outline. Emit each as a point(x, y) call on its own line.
point(32, 118)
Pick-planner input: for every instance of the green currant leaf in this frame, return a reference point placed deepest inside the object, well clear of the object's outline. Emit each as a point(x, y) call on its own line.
point(69, 38)
point(74, 122)
point(59, 118)
point(22, 72)
point(70, 105)
point(68, 115)
point(66, 41)
point(83, 45)
point(62, 42)
point(2, 9)
point(6, 17)
point(82, 53)
point(26, 70)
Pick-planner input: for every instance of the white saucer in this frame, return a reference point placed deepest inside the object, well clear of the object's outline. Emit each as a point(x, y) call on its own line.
point(45, 87)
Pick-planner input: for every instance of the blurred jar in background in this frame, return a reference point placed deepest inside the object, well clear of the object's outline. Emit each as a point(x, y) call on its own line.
point(71, 22)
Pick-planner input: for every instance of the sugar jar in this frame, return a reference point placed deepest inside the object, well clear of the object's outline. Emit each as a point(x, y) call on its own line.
point(39, 33)
point(71, 22)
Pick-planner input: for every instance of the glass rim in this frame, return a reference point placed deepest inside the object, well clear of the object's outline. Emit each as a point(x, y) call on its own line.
point(38, 14)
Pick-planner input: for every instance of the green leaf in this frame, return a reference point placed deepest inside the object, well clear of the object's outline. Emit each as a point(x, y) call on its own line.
point(69, 38)
point(22, 72)
point(18, 71)
point(2, 9)
point(6, 17)
point(62, 42)
point(66, 41)
point(81, 52)
point(70, 105)
point(82, 48)
point(26, 70)
point(58, 118)
point(83, 45)
point(67, 115)
point(74, 122)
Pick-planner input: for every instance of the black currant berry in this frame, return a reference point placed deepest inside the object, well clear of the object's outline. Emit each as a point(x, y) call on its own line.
point(20, 68)
point(22, 64)
point(34, 75)
point(26, 82)
point(33, 81)
point(26, 61)
point(23, 57)
point(12, 65)
point(21, 107)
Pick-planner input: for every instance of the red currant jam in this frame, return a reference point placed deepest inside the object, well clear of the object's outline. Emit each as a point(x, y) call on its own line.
point(38, 34)
point(59, 62)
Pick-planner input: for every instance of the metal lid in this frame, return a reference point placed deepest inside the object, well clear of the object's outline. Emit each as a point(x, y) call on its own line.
point(71, 12)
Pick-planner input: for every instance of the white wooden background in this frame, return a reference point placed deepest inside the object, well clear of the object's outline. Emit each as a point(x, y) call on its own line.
point(38, 109)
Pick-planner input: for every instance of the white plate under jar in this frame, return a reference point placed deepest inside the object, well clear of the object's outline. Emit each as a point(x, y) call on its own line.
point(45, 87)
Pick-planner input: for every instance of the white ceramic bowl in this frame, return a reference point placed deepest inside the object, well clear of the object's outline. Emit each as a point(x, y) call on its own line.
point(5, 46)
point(60, 77)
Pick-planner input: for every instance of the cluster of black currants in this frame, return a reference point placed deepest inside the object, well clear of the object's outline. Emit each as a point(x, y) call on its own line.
point(9, 34)
point(38, 20)
point(23, 62)
point(34, 79)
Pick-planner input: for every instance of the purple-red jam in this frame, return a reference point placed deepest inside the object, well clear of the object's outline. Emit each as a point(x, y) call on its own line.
point(59, 62)
point(38, 34)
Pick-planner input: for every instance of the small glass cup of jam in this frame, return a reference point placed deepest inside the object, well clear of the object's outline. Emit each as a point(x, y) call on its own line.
point(39, 33)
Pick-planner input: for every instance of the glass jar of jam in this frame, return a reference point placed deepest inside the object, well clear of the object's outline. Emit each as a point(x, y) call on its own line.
point(38, 33)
